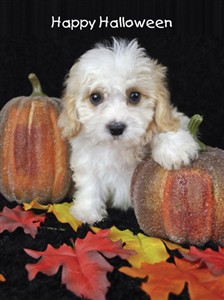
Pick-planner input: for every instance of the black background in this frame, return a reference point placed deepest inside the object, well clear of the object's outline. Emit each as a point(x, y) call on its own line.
point(192, 49)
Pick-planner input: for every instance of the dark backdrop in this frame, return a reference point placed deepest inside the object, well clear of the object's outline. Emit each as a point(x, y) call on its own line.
point(192, 49)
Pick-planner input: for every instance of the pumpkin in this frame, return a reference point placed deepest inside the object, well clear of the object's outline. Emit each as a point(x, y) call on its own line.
point(185, 205)
point(33, 156)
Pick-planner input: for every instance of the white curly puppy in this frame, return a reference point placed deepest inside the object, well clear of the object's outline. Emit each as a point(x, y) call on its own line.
point(116, 109)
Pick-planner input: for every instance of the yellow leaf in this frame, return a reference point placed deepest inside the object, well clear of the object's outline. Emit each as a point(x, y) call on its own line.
point(61, 211)
point(95, 229)
point(148, 249)
point(35, 205)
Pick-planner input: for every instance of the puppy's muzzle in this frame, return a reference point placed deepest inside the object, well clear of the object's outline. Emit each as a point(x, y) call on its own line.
point(116, 128)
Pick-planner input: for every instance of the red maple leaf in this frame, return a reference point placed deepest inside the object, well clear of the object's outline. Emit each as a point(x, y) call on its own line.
point(213, 260)
point(84, 268)
point(11, 219)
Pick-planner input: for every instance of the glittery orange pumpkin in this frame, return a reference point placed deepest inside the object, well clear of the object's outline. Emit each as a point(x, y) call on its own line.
point(33, 157)
point(184, 206)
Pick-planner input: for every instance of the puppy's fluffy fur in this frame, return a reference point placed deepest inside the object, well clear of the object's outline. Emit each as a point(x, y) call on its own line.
point(116, 109)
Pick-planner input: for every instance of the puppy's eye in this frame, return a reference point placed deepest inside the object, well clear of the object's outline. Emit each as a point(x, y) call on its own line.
point(96, 98)
point(134, 97)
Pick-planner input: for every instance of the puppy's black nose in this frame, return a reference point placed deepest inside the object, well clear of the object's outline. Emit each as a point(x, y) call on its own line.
point(116, 128)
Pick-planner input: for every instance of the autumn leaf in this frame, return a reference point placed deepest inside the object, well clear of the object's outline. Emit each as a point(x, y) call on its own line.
point(61, 211)
point(173, 246)
point(164, 278)
point(148, 249)
point(2, 278)
point(11, 219)
point(84, 268)
point(213, 260)
point(206, 286)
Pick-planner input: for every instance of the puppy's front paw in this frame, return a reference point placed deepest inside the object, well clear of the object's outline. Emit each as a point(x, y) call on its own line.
point(86, 213)
point(174, 149)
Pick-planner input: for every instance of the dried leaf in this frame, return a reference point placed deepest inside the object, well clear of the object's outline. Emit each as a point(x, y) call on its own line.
point(11, 219)
point(84, 268)
point(61, 211)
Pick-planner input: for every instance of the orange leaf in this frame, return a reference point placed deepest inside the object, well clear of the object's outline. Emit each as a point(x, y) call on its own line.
point(205, 285)
point(11, 219)
point(84, 268)
point(2, 278)
point(164, 278)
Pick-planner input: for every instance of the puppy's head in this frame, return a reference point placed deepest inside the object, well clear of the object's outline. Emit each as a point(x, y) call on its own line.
point(116, 92)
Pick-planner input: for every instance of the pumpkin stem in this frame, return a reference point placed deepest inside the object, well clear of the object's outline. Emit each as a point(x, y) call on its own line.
point(37, 89)
point(193, 126)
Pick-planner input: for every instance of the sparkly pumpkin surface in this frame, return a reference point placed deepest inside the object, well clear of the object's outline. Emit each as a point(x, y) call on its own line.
point(33, 157)
point(186, 205)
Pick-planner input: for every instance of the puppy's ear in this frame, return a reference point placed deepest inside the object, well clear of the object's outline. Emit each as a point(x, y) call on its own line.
point(68, 119)
point(164, 114)
point(164, 118)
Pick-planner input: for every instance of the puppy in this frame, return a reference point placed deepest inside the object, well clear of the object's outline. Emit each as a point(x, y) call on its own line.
point(116, 110)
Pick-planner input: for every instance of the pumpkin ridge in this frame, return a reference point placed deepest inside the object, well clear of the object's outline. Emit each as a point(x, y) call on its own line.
point(31, 153)
point(16, 112)
point(3, 162)
point(60, 164)
point(46, 152)
point(31, 113)
point(182, 216)
point(53, 181)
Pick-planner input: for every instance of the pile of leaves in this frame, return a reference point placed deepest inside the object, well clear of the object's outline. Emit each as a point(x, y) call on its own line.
point(42, 247)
